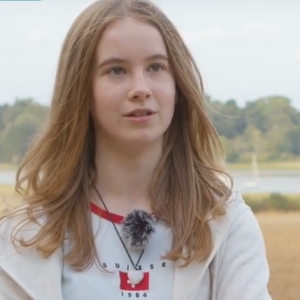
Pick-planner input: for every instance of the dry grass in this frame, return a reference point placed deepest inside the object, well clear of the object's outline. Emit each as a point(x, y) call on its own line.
point(8, 197)
point(8, 167)
point(282, 237)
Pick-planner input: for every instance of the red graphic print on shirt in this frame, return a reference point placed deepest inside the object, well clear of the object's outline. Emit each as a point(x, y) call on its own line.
point(125, 286)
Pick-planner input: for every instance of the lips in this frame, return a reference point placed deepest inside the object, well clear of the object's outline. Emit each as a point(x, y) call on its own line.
point(142, 112)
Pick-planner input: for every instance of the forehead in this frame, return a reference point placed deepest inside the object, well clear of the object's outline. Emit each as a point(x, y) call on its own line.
point(130, 39)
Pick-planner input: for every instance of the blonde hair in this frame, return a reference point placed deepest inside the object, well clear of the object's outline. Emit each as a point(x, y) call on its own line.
point(186, 189)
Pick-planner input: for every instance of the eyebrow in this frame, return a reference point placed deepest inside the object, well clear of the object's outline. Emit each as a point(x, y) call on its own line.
point(116, 60)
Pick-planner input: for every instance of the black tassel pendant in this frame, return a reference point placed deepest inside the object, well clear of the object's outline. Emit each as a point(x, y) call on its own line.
point(137, 228)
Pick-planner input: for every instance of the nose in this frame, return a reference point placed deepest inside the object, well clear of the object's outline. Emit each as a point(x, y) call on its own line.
point(139, 89)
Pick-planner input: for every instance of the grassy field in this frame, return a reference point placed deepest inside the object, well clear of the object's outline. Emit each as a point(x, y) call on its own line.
point(282, 236)
point(8, 167)
point(8, 197)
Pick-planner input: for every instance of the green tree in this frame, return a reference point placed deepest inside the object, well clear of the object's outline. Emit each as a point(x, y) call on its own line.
point(228, 118)
point(16, 137)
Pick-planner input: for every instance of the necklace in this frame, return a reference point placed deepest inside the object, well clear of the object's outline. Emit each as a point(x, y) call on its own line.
point(135, 276)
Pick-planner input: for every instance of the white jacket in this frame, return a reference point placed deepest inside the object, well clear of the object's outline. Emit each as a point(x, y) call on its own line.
point(237, 266)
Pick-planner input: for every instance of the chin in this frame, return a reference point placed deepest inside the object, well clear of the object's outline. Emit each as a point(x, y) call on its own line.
point(145, 139)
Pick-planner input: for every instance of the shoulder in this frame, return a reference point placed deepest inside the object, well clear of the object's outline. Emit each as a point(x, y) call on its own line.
point(15, 260)
point(238, 229)
point(240, 266)
point(235, 205)
point(238, 212)
point(19, 225)
point(239, 222)
point(240, 215)
point(14, 230)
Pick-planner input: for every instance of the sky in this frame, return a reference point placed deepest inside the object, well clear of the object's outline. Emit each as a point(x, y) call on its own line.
point(245, 49)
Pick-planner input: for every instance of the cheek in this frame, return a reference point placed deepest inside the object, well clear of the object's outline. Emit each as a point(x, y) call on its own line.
point(168, 107)
point(101, 108)
point(169, 99)
point(165, 90)
point(105, 98)
point(99, 93)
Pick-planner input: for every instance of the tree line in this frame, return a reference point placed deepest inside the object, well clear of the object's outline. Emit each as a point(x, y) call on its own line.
point(268, 127)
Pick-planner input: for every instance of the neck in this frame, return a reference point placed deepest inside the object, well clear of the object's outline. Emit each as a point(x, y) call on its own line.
point(124, 175)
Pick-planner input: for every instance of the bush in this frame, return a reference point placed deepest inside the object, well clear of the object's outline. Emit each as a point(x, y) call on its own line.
point(273, 202)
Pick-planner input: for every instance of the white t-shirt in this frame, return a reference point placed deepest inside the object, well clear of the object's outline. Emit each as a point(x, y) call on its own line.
point(95, 284)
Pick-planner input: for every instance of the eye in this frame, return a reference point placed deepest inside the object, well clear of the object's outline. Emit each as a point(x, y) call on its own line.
point(156, 67)
point(116, 71)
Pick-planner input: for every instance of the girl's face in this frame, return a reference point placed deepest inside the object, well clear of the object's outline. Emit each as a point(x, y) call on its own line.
point(133, 85)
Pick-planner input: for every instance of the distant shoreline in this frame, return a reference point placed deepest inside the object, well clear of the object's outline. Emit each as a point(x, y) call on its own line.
point(259, 202)
point(270, 166)
point(280, 166)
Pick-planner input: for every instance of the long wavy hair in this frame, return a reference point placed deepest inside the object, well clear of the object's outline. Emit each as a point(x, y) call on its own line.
point(55, 177)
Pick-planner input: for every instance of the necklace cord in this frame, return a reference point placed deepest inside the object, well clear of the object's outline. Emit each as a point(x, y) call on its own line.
point(117, 231)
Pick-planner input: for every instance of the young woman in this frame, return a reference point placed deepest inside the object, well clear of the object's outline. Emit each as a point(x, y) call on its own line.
point(123, 191)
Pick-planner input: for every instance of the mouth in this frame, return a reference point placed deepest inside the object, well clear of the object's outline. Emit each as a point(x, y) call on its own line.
point(140, 113)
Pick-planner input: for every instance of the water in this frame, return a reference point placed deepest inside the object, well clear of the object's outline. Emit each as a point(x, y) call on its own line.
point(7, 177)
point(285, 182)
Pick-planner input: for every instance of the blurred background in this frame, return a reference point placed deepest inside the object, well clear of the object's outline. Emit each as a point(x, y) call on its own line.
point(248, 53)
